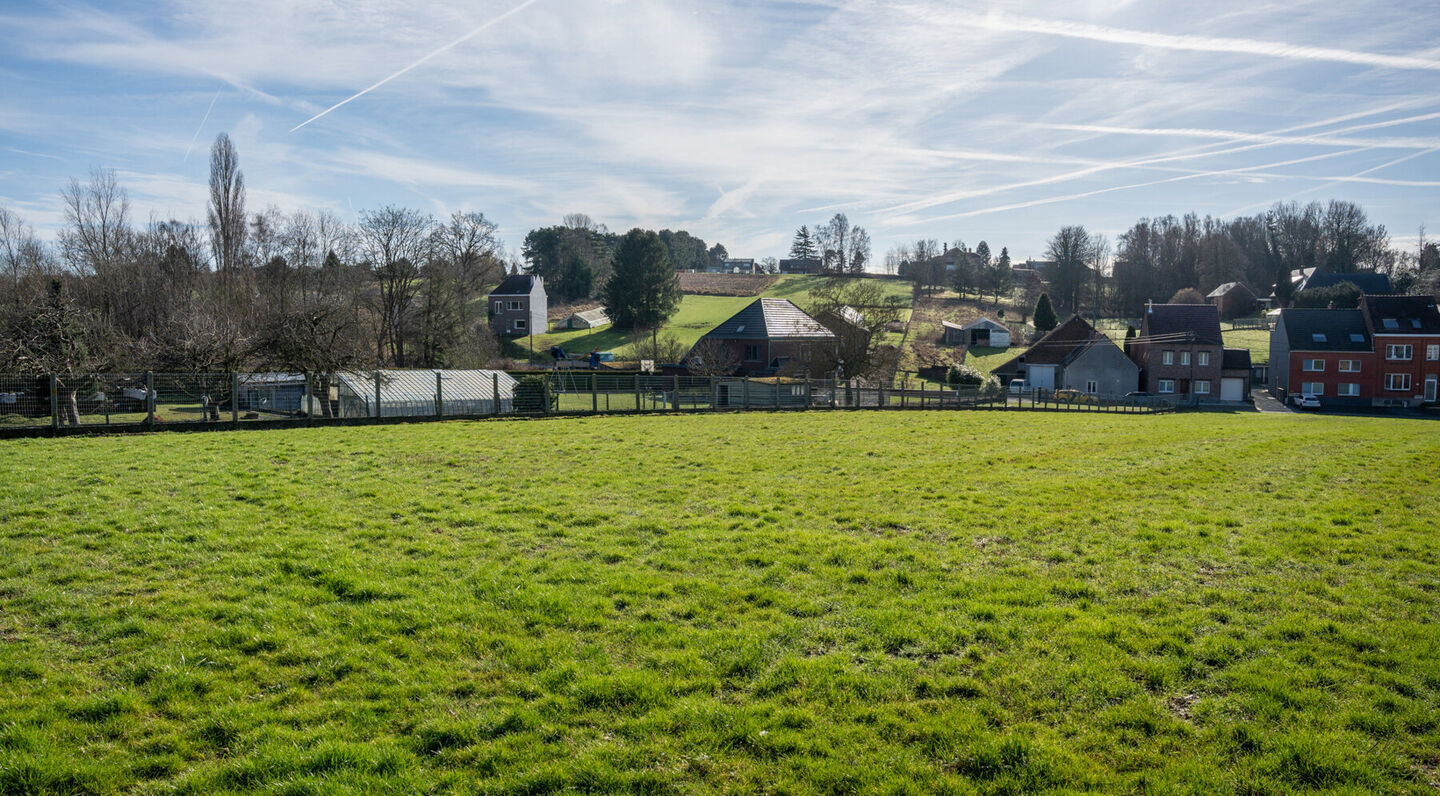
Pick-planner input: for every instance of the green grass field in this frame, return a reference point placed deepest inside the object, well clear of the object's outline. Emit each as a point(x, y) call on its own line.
point(943, 602)
point(695, 316)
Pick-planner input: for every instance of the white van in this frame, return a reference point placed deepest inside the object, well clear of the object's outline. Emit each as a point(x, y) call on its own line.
point(1017, 387)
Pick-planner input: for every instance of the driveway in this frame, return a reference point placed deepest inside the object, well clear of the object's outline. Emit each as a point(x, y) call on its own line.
point(1265, 402)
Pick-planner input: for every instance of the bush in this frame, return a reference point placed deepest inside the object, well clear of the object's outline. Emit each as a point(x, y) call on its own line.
point(530, 395)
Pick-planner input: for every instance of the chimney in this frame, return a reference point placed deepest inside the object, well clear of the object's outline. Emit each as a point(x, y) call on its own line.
point(1149, 307)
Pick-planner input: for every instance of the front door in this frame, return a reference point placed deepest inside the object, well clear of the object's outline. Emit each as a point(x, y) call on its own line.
point(1184, 387)
point(1430, 389)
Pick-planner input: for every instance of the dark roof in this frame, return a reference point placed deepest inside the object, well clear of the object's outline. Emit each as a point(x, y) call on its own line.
point(1182, 323)
point(1408, 314)
point(771, 318)
point(1061, 346)
point(1235, 359)
point(1367, 281)
point(1338, 330)
point(514, 285)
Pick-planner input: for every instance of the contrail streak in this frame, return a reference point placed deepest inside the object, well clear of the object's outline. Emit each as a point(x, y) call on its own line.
point(1358, 176)
point(442, 50)
point(1231, 135)
point(196, 137)
point(1272, 49)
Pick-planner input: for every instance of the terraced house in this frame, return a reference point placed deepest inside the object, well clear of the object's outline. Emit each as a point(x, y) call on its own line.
point(1181, 353)
point(1385, 353)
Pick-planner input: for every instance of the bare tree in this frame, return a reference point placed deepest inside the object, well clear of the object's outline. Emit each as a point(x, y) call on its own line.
point(711, 357)
point(22, 255)
point(227, 207)
point(395, 241)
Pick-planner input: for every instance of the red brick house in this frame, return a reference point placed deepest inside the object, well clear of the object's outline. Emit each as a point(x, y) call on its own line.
point(1406, 330)
point(1234, 300)
point(1325, 353)
point(1180, 351)
point(773, 336)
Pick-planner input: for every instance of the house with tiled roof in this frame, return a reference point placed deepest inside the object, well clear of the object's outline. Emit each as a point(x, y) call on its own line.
point(771, 336)
point(1406, 331)
point(518, 306)
point(1325, 353)
point(1181, 353)
point(1233, 299)
point(1073, 356)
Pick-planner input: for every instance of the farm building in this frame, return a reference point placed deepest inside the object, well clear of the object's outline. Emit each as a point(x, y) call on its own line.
point(1073, 356)
point(413, 393)
point(272, 392)
point(587, 319)
point(1233, 299)
point(983, 332)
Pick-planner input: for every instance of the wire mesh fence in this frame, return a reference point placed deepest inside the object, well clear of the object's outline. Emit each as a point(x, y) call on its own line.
point(193, 400)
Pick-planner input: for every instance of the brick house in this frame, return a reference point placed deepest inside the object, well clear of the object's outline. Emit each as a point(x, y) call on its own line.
point(1326, 353)
point(1180, 351)
point(518, 306)
point(772, 336)
point(1406, 331)
point(1234, 300)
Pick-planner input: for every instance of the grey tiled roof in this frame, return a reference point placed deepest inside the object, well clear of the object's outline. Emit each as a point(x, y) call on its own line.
point(514, 285)
point(1411, 314)
point(1326, 330)
point(1367, 281)
point(1188, 323)
point(773, 319)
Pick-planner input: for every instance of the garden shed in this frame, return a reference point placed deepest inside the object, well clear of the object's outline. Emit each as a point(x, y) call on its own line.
point(587, 319)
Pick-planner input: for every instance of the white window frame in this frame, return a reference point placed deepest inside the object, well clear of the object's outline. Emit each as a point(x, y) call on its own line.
point(1392, 349)
point(1432, 352)
point(1185, 358)
point(1392, 378)
point(1203, 359)
point(1312, 388)
point(1092, 386)
point(1201, 386)
point(1349, 366)
point(1313, 366)
point(1165, 386)
point(521, 323)
point(1348, 389)
point(1167, 357)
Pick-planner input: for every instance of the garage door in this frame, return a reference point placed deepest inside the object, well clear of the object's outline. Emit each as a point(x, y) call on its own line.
point(1232, 389)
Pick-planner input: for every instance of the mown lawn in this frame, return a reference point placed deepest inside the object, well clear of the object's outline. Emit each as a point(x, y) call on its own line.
point(797, 603)
point(695, 316)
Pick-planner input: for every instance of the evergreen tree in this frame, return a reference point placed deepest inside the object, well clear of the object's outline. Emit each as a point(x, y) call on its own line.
point(643, 290)
point(803, 247)
point(1045, 319)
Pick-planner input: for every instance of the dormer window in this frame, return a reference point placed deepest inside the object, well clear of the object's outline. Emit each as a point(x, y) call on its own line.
point(1356, 337)
point(1318, 337)
point(1415, 323)
point(1390, 323)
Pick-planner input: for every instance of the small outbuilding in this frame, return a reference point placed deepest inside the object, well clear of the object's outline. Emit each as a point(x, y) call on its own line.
point(983, 332)
point(587, 319)
point(425, 393)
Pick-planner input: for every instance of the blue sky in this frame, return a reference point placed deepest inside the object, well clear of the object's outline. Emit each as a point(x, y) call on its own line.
point(736, 120)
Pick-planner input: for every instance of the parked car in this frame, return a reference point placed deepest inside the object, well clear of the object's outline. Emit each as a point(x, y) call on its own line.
point(1139, 394)
point(1075, 397)
point(1305, 401)
point(1018, 386)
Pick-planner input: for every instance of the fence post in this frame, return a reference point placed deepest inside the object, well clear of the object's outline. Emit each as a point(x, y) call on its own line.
point(637, 392)
point(747, 392)
point(675, 384)
point(922, 395)
point(777, 392)
point(234, 398)
point(495, 393)
point(149, 398)
point(54, 401)
point(594, 396)
point(547, 393)
point(439, 397)
point(834, 388)
point(377, 395)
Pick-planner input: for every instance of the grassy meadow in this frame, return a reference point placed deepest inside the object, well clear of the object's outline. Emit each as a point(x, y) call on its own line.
point(943, 602)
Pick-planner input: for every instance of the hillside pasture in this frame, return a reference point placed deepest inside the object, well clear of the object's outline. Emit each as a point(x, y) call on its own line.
point(941, 602)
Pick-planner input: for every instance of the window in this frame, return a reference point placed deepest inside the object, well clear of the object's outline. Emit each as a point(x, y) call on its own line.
point(519, 324)
point(1312, 388)
point(1202, 386)
point(752, 353)
point(499, 306)
point(1414, 323)
point(515, 305)
point(1349, 366)
point(1432, 353)
point(1399, 352)
point(1314, 365)
point(1348, 390)
point(1166, 385)
point(1397, 382)
point(1092, 386)
point(1390, 323)
point(1167, 358)
point(1356, 337)
point(1318, 337)
point(1204, 359)
point(1184, 357)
